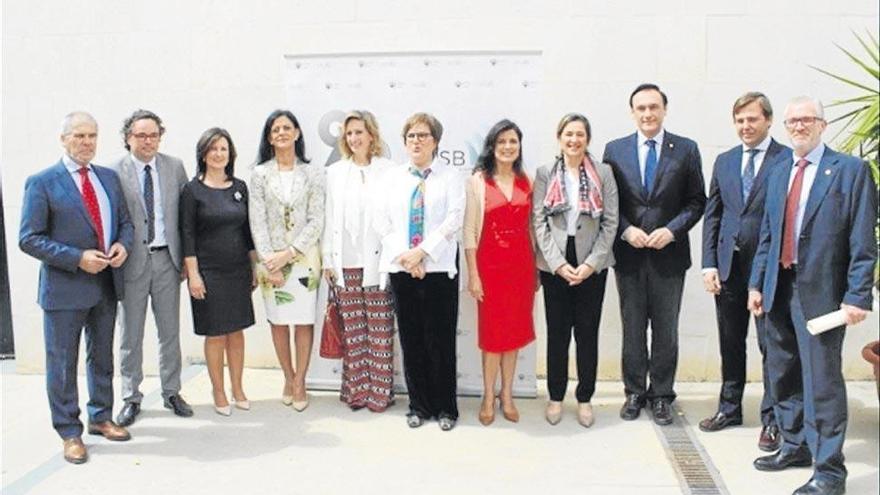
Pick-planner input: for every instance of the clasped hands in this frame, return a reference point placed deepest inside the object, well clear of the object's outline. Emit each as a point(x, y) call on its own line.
point(658, 239)
point(411, 261)
point(275, 262)
point(94, 261)
point(574, 276)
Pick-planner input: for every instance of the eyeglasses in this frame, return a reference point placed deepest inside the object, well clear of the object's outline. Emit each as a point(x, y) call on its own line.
point(805, 121)
point(141, 136)
point(418, 136)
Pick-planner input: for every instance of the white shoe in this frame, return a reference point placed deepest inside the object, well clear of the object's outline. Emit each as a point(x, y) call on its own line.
point(244, 405)
point(223, 410)
point(300, 405)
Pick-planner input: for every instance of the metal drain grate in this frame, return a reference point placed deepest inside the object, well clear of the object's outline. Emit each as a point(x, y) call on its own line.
point(696, 473)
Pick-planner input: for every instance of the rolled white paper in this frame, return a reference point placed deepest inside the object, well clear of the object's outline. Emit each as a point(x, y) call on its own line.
point(826, 322)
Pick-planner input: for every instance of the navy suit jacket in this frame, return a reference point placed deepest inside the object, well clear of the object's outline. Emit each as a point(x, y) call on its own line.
point(836, 246)
point(729, 222)
point(676, 201)
point(56, 229)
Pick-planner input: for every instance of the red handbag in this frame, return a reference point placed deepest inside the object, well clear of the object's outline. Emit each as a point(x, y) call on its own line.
point(331, 332)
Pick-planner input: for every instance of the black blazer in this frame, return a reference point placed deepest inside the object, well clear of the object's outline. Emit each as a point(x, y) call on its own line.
point(676, 201)
point(729, 222)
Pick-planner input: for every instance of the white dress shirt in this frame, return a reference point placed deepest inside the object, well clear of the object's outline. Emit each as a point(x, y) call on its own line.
point(158, 215)
point(103, 199)
point(444, 214)
point(814, 157)
point(572, 191)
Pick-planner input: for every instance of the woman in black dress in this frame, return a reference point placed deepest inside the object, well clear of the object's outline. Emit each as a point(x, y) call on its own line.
point(219, 255)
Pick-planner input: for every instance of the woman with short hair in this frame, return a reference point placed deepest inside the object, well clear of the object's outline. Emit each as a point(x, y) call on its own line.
point(419, 221)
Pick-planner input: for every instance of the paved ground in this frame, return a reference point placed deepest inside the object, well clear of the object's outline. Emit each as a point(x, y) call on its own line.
point(328, 449)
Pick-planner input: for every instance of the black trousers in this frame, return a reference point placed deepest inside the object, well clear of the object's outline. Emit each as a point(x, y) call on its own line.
point(567, 308)
point(650, 297)
point(427, 316)
point(733, 328)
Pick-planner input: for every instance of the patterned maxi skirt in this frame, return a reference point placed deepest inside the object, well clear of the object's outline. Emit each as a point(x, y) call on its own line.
point(368, 335)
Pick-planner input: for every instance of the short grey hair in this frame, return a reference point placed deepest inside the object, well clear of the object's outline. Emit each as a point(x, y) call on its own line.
point(74, 118)
point(820, 108)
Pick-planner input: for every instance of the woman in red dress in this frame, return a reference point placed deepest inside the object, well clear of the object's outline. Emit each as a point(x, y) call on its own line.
point(500, 261)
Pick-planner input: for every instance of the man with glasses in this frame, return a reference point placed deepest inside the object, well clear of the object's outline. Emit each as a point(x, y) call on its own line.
point(74, 220)
point(816, 255)
point(152, 182)
point(730, 237)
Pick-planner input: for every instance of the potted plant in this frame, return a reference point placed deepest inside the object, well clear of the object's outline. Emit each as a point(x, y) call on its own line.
point(861, 134)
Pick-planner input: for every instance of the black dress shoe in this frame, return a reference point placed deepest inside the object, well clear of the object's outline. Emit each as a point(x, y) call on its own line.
point(782, 460)
point(770, 439)
point(661, 409)
point(129, 411)
point(822, 487)
point(178, 405)
point(632, 407)
point(719, 422)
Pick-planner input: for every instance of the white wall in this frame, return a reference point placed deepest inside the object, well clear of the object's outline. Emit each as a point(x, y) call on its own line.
point(202, 63)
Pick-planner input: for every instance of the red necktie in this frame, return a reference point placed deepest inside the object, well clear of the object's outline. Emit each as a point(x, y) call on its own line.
point(90, 200)
point(791, 212)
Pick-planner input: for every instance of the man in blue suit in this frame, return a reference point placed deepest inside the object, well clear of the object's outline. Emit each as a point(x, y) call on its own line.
point(815, 255)
point(75, 221)
point(730, 237)
point(660, 182)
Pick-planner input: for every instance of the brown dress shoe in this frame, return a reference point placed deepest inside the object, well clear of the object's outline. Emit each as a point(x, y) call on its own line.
point(74, 450)
point(109, 430)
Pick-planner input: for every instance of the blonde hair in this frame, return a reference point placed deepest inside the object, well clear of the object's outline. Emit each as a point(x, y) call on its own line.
point(369, 120)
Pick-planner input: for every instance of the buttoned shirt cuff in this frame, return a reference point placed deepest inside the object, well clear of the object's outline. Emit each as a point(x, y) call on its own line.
point(709, 270)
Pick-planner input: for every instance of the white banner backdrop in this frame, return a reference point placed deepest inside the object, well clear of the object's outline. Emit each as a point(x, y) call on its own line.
point(468, 92)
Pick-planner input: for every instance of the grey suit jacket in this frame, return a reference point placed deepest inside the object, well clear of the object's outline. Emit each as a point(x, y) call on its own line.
point(594, 237)
point(172, 178)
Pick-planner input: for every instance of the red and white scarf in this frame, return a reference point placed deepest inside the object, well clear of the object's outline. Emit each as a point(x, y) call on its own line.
point(589, 190)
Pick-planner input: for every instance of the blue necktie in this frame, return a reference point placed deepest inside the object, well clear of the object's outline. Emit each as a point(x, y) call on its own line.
point(149, 204)
point(748, 176)
point(650, 165)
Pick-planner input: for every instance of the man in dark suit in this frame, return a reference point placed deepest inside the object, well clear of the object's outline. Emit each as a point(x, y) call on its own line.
point(152, 182)
point(816, 255)
point(660, 182)
point(74, 220)
point(730, 237)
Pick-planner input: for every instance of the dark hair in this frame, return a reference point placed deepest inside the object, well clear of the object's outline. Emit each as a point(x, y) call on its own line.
point(486, 160)
point(205, 142)
point(574, 117)
point(139, 114)
point(648, 87)
point(267, 151)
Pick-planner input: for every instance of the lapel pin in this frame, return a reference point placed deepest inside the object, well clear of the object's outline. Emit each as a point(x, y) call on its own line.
point(671, 145)
point(237, 195)
point(827, 171)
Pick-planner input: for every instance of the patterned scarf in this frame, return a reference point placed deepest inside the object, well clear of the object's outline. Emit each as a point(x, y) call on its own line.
point(417, 208)
point(589, 190)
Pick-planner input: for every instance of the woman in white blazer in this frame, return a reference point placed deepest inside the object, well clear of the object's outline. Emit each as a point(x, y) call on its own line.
point(287, 218)
point(351, 262)
point(420, 223)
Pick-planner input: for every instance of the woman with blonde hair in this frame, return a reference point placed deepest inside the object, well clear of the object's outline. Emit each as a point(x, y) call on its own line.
point(351, 262)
